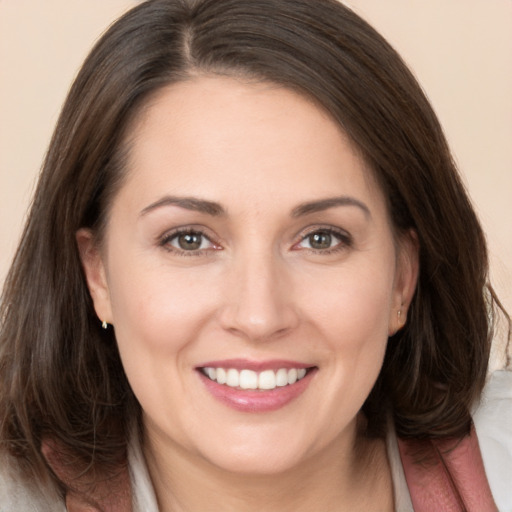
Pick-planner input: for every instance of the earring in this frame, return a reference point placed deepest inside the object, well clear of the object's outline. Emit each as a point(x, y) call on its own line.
point(399, 314)
point(104, 324)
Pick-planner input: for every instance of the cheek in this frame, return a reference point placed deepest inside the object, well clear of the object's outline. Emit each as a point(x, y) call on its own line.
point(351, 315)
point(157, 315)
point(156, 307)
point(354, 302)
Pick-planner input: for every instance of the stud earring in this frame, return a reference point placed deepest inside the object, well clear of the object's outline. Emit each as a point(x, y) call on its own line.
point(104, 324)
point(399, 314)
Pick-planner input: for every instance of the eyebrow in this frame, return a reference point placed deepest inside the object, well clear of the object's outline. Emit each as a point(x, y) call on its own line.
point(331, 202)
point(215, 209)
point(189, 203)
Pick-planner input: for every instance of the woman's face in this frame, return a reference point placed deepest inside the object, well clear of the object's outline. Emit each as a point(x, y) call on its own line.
point(249, 243)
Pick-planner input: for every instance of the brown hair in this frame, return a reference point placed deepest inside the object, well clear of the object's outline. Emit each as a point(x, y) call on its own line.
point(60, 373)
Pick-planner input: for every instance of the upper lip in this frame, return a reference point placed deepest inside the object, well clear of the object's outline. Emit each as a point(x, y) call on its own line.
point(257, 366)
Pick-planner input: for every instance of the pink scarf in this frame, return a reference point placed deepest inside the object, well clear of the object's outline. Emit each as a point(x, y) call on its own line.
point(446, 474)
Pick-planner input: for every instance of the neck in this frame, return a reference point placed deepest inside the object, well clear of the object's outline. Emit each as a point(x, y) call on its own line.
point(352, 473)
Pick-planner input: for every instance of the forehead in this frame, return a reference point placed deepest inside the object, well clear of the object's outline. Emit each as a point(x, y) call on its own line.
point(228, 140)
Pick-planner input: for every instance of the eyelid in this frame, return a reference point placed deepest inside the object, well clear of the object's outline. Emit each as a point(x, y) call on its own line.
point(164, 240)
point(345, 238)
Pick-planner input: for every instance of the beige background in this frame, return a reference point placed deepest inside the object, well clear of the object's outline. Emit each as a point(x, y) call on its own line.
point(461, 51)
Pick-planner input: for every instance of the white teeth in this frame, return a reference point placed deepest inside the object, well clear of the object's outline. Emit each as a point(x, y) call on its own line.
point(282, 377)
point(221, 375)
point(267, 380)
point(233, 378)
point(249, 379)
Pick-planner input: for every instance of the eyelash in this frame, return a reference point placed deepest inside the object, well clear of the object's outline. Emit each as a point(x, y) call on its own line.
point(169, 237)
point(345, 241)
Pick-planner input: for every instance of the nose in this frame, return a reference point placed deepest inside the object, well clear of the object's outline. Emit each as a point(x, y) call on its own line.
point(259, 303)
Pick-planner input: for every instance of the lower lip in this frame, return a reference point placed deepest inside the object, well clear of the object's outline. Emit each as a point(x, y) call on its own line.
point(257, 401)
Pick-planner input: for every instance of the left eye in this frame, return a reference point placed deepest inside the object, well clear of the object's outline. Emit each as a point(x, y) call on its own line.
point(189, 241)
point(320, 240)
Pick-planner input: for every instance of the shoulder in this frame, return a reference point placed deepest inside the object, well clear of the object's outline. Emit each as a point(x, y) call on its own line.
point(17, 495)
point(493, 424)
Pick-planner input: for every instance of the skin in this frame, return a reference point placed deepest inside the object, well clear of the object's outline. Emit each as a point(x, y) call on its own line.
point(257, 289)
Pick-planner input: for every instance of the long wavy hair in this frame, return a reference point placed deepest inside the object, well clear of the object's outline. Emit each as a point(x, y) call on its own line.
point(60, 373)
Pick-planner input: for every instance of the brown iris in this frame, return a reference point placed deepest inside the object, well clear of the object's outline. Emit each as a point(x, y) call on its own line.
point(320, 240)
point(190, 241)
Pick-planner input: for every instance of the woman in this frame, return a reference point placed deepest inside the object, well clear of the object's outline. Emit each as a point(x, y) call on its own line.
point(249, 266)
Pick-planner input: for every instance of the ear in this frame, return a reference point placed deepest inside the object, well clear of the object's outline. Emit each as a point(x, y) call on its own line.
point(406, 278)
point(95, 274)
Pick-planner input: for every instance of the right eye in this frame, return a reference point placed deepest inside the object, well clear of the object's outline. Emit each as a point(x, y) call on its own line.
point(188, 241)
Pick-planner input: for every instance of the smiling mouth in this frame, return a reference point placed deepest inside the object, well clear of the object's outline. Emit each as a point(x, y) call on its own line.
point(245, 379)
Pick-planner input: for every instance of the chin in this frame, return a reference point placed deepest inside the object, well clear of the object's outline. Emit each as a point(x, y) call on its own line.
point(262, 464)
point(259, 455)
